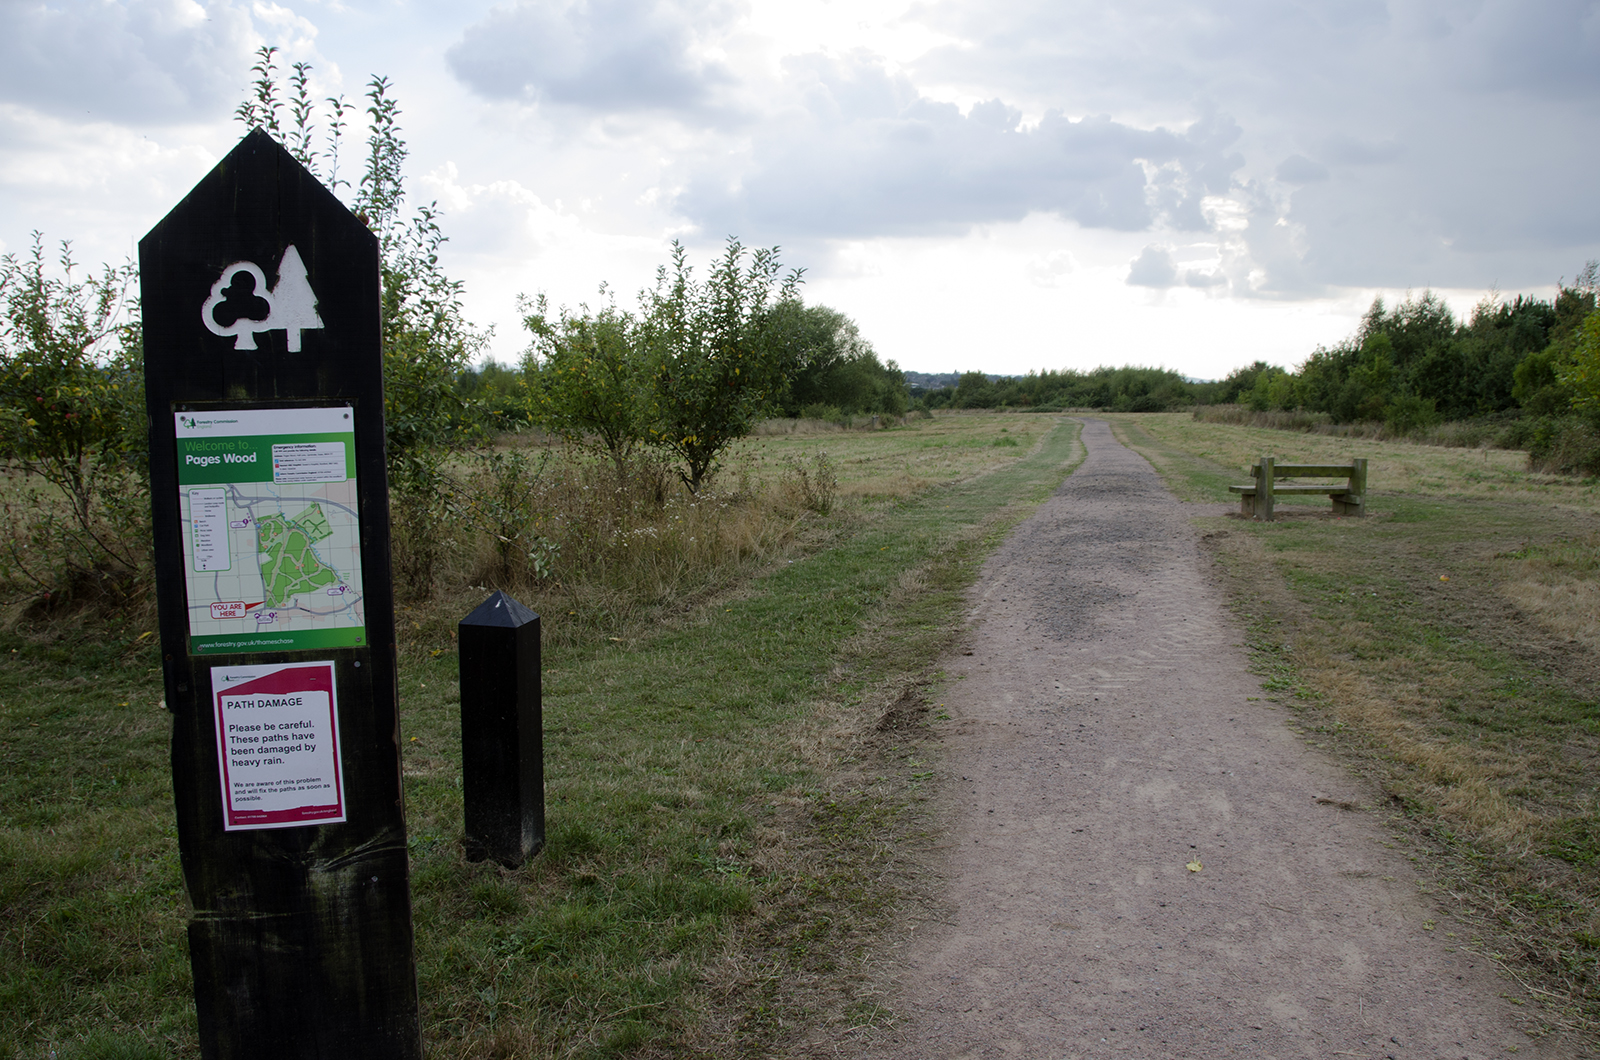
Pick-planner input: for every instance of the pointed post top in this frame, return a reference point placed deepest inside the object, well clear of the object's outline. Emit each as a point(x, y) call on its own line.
point(500, 610)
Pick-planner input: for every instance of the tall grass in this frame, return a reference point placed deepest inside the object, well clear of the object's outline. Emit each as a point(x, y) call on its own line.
point(1566, 445)
point(574, 533)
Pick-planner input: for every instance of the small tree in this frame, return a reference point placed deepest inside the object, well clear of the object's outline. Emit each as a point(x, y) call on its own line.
point(71, 409)
point(427, 341)
point(716, 359)
point(588, 379)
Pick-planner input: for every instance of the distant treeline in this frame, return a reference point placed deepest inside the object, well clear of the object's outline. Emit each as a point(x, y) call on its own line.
point(1112, 389)
point(1406, 369)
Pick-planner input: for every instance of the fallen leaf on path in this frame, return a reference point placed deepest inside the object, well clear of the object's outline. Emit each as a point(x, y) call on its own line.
point(1194, 866)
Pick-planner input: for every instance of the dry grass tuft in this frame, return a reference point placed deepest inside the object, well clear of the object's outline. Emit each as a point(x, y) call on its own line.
point(1559, 585)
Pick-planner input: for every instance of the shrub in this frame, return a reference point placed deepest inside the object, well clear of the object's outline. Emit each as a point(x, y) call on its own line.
point(72, 433)
point(1569, 445)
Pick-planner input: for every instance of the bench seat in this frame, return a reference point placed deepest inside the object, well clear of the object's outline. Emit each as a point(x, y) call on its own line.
point(1348, 495)
point(1309, 491)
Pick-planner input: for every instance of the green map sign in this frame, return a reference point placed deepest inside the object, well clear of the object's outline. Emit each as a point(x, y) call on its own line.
point(271, 535)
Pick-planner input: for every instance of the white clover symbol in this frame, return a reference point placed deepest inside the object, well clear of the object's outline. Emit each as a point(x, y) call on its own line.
point(226, 288)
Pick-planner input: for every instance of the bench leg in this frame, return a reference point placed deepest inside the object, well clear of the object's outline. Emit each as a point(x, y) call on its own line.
point(1247, 505)
point(1349, 504)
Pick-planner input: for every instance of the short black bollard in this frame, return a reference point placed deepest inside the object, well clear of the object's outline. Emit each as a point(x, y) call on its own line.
point(502, 732)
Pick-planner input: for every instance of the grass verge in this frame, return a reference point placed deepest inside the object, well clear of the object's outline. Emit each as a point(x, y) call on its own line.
point(1414, 648)
point(732, 790)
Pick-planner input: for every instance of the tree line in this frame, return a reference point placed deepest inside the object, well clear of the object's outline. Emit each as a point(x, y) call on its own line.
point(1126, 389)
point(1415, 364)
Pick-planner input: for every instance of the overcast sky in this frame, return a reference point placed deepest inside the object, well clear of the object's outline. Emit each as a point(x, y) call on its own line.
point(1000, 185)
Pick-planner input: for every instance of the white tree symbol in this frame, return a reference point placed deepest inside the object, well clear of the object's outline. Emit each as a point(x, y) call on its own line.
point(291, 305)
point(294, 302)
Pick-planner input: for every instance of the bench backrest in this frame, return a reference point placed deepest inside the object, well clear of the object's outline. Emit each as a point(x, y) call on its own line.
point(1308, 470)
point(1355, 472)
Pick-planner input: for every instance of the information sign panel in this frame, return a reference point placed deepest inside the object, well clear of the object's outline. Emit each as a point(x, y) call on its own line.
point(263, 342)
point(271, 535)
point(278, 745)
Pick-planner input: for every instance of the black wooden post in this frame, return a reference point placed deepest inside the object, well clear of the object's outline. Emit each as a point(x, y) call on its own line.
point(263, 376)
point(502, 732)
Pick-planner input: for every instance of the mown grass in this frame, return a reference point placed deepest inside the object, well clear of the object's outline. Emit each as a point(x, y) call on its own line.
point(1216, 455)
point(732, 790)
point(1430, 646)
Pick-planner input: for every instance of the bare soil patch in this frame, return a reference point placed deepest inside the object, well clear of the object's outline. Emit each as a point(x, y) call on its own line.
point(1140, 855)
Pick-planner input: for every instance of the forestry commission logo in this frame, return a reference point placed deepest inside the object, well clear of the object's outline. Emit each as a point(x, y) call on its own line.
point(241, 305)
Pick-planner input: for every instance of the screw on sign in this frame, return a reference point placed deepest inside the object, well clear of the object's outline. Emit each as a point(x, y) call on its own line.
point(263, 383)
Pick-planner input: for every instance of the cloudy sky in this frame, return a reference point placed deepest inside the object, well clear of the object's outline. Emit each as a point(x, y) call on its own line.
point(1000, 185)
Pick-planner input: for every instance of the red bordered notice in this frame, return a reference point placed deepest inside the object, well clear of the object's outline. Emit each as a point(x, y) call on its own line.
point(278, 745)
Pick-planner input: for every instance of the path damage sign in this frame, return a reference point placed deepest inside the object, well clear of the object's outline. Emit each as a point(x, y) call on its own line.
point(278, 745)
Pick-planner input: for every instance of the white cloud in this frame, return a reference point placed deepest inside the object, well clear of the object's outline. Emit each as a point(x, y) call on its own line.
point(601, 55)
point(1148, 169)
point(1047, 270)
point(1402, 141)
point(1153, 267)
point(857, 151)
point(133, 60)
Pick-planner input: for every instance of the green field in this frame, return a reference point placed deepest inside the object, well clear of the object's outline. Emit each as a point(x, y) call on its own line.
point(733, 787)
point(736, 772)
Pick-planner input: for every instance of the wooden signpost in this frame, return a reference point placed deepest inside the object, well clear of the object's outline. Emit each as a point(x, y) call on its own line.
point(263, 377)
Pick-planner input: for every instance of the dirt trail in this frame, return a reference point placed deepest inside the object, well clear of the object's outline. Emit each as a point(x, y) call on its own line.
point(1107, 734)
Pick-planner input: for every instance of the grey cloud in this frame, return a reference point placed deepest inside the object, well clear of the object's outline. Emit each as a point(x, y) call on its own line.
point(1549, 47)
point(1298, 169)
point(1153, 267)
point(862, 153)
point(608, 55)
point(1397, 142)
point(144, 60)
point(1354, 151)
point(1204, 278)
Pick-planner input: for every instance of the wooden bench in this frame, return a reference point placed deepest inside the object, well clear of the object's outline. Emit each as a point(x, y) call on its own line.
point(1349, 496)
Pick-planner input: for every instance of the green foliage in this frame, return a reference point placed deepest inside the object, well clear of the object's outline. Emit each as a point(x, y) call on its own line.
point(1127, 389)
point(974, 391)
point(501, 503)
point(1239, 383)
point(830, 365)
point(497, 392)
point(1411, 366)
point(1568, 445)
point(1581, 373)
point(1272, 388)
point(72, 414)
point(427, 341)
point(714, 352)
point(588, 377)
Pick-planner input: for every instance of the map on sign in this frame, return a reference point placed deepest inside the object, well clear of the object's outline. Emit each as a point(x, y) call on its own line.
point(271, 534)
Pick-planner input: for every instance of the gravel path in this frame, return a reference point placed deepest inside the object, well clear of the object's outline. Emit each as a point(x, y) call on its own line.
point(1108, 739)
